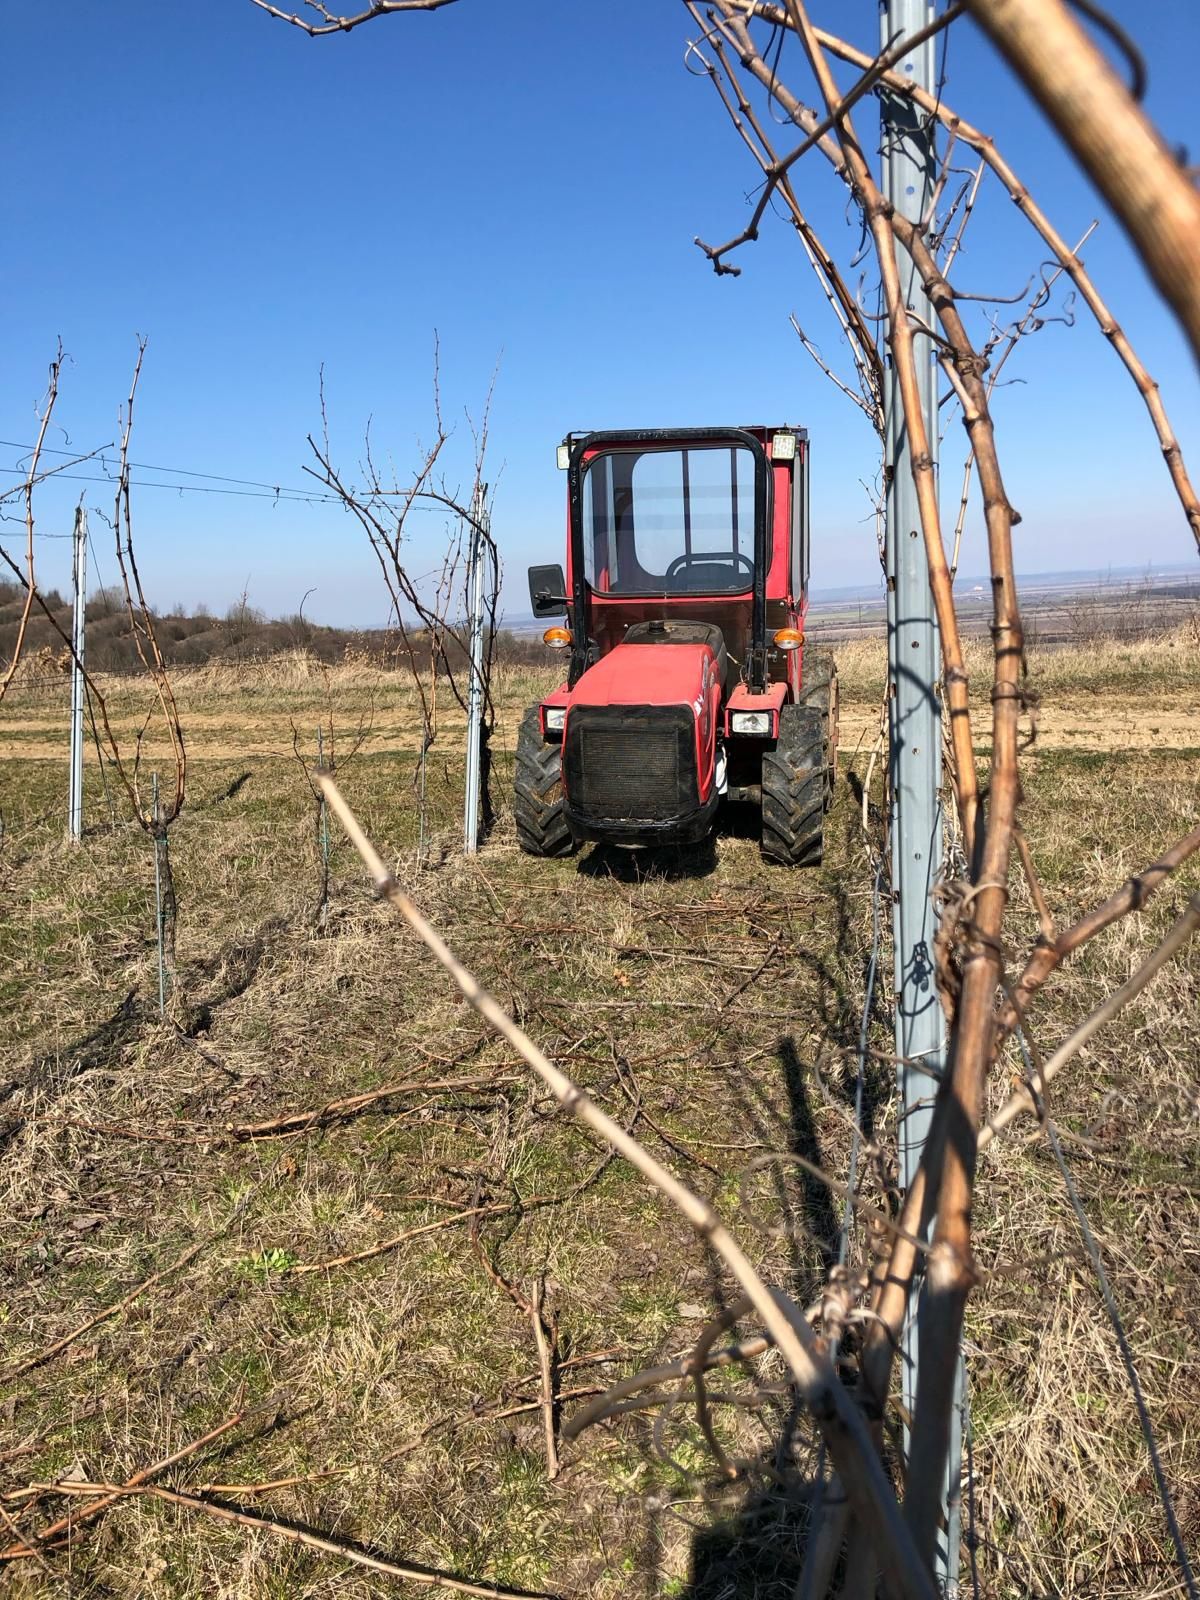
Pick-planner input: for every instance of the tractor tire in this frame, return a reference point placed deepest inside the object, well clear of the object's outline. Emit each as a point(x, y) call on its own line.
point(819, 690)
point(538, 798)
point(795, 789)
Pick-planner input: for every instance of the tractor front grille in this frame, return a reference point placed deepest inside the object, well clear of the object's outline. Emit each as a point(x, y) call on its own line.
point(631, 764)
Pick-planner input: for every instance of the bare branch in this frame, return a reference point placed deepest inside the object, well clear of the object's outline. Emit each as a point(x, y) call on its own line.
point(1024, 1099)
point(145, 636)
point(333, 23)
point(1112, 138)
point(537, 1316)
point(781, 166)
point(729, 32)
point(873, 415)
point(111, 1494)
point(113, 1310)
point(1132, 896)
point(31, 480)
point(971, 197)
point(426, 1577)
point(1072, 265)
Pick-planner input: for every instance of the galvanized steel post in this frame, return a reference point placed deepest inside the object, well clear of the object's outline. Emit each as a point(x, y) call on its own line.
point(159, 845)
point(915, 721)
point(323, 830)
point(78, 632)
point(475, 559)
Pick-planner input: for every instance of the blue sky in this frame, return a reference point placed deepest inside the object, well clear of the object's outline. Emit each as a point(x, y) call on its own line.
point(525, 178)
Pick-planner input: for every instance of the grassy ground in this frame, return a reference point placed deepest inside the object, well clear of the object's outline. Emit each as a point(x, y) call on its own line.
point(707, 1000)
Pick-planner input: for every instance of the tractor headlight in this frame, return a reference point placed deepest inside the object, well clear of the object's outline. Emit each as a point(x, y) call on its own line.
point(750, 722)
point(554, 718)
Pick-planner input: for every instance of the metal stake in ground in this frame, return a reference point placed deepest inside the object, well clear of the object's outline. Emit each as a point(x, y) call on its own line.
point(78, 631)
point(159, 842)
point(475, 686)
point(915, 725)
point(323, 830)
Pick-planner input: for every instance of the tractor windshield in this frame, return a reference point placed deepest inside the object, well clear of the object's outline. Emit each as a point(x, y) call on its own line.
point(669, 521)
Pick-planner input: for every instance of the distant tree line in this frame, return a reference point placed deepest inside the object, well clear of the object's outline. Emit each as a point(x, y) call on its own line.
point(194, 636)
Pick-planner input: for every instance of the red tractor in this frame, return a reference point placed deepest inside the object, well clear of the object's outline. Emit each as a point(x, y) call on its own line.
point(689, 680)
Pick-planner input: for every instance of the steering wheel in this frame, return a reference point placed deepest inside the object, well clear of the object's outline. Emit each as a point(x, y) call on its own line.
point(723, 556)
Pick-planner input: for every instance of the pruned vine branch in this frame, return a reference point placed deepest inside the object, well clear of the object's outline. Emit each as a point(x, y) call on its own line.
point(427, 609)
point(334, 22)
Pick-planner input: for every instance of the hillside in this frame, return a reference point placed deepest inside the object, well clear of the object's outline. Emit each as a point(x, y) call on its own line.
point(195, 638)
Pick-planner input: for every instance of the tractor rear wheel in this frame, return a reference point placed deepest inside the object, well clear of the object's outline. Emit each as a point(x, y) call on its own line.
point(795, 789)
point(538, 798)
point(819, 689)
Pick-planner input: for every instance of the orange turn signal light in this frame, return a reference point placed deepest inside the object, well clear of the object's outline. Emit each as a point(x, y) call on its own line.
point(788, 639)
point(557, 638)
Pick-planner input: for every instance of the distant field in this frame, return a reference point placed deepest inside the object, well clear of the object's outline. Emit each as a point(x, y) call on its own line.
point(708, 1001)
point(1064, 609)
point(1151, 688)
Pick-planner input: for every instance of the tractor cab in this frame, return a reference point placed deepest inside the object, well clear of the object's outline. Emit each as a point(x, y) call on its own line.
point(688, 681)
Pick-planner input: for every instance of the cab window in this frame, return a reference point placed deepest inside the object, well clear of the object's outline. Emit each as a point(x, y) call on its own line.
point(669, 521)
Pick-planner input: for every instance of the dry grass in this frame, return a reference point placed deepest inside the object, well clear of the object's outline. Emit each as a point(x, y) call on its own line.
point(1068, 1492)
point(1165, 665)
point(385, 1374)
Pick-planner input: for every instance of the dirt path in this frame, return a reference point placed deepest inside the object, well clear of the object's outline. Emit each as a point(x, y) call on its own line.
point(1085, 722)
point(1069, 722)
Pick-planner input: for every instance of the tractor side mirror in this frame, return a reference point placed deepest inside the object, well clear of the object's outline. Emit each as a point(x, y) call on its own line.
point(547, 591)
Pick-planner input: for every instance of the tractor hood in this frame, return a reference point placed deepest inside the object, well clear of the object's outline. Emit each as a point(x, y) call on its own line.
point(658, 663)
point(644, 675)
point(639, 743)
